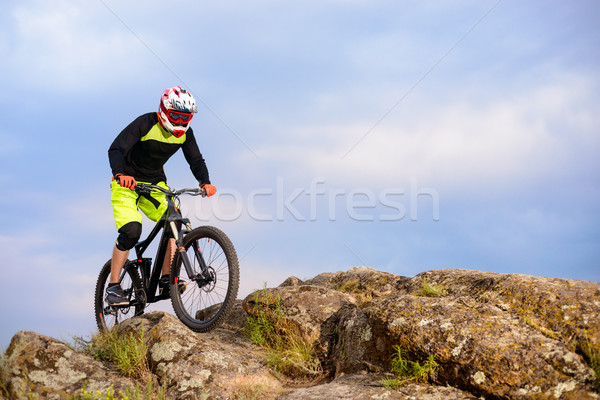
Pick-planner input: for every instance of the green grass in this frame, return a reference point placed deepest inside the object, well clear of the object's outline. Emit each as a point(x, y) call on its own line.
point(429, 290)
point(288, 352)
point(354, 288)
point(3, 377)
point(406, 370)
point(127, 351)
point(109, 394)
point(593, 360)
point(544, 331)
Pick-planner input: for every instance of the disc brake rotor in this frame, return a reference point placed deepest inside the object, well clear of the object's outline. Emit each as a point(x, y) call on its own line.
point(213, 280)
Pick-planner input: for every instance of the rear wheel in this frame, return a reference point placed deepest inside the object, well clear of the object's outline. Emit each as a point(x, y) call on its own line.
point(108, 316)
point(203, 300)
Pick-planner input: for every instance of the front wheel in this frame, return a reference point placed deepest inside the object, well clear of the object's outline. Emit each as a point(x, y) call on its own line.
point(203, 300)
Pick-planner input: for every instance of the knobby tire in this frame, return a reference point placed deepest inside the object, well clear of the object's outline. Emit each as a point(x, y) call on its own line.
point(132, 283)
point(203, 308)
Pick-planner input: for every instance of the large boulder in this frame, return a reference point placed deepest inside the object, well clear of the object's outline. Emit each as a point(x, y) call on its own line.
point(312, 311)
point(193, 366)
point(363, 283)
point(562, 309)
point(38, 366)
point(499, 335)
point(479, 347)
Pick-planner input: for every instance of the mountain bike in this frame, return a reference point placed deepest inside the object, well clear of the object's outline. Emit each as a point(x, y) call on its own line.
point(204, 278)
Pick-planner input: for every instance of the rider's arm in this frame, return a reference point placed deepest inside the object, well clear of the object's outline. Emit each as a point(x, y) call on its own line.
point(125, 141)
point(194, 158)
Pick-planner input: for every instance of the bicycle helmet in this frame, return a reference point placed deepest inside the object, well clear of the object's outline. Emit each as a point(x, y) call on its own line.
point(176, 109)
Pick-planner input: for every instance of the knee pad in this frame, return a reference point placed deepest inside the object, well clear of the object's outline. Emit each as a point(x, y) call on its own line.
point(129, 234)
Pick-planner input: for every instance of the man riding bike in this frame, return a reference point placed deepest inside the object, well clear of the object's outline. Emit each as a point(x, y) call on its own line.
point(138, 154)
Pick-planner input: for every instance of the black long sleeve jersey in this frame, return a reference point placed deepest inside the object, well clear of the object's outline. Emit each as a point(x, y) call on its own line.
point(143, 147)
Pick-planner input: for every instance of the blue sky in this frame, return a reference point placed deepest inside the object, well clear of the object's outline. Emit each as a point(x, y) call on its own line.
point(405, 136)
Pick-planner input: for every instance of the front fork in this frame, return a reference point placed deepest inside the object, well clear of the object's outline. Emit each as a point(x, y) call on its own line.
point(203, 277)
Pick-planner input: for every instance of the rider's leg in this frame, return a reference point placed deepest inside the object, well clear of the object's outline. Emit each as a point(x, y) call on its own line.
point(129, 225)
point(168, 260)
point(116, 265)
point(129, 234)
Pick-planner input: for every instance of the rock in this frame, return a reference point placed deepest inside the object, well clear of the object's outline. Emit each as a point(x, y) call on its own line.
point(363, 283)
point(478, 347)
point(499, 335)
point(292, 281)
point(368, 387)
point(312, 310)
point(193, 365)
point(46, 368)
point(236, 320)
point(493, 336)
point(563, 309)
point(355, 346)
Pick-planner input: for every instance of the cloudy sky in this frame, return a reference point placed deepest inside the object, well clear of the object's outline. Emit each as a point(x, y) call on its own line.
point(401, 135)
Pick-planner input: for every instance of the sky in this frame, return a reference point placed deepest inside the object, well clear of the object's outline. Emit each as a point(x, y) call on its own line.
point(401, 135)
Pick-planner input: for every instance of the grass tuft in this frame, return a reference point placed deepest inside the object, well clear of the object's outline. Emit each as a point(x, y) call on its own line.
point(354, 288)
point(3, 375)
point(254, 387)
point(430, 290)
point(406, 370)
point(127, 351)
point(110, 394)
point(288, 352)
point(593, 360)
point(549, 333)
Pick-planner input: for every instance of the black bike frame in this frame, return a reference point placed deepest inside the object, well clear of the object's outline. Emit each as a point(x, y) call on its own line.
point(169, 224)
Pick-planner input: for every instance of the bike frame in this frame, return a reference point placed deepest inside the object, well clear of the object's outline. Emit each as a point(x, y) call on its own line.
point(169, 225)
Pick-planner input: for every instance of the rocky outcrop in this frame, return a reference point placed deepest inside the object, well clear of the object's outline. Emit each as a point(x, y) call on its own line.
point(493, 335)
point(48, 369)
point(504, 336)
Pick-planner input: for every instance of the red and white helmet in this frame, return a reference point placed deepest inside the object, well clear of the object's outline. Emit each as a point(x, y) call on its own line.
point(177, 107)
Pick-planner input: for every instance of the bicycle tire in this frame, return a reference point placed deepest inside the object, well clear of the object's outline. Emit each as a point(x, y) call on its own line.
point(203, 308)
point(106, 316)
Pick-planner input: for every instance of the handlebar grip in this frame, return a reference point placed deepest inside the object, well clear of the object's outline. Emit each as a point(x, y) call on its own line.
point(142, 188)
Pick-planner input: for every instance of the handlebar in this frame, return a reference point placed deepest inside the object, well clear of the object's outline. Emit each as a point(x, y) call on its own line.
point(146, 188)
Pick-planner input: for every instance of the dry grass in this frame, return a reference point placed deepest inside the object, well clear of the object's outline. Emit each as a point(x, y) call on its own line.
point(253, 387)
point(288, 351)
point(355, 289)
point(593, 360)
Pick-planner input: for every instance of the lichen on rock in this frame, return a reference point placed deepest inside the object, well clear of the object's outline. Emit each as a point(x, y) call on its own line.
point(504, 336)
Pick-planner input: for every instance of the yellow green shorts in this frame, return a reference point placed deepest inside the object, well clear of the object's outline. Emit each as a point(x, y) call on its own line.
point(126, 204)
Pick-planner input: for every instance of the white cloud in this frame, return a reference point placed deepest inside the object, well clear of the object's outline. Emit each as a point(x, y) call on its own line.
point(70, 44)
point(529, 135)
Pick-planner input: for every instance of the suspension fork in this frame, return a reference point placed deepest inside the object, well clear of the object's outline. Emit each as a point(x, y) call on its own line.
point(184, 256)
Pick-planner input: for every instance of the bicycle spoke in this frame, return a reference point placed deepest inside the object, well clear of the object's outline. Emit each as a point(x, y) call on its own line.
point(211, 291)
point(108, 316)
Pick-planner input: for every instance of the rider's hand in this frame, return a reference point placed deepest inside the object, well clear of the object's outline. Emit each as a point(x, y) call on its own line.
point(126, 181)
point(210, 189)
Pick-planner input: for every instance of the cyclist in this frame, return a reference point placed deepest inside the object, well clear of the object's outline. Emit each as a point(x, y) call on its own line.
point(138, 154)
